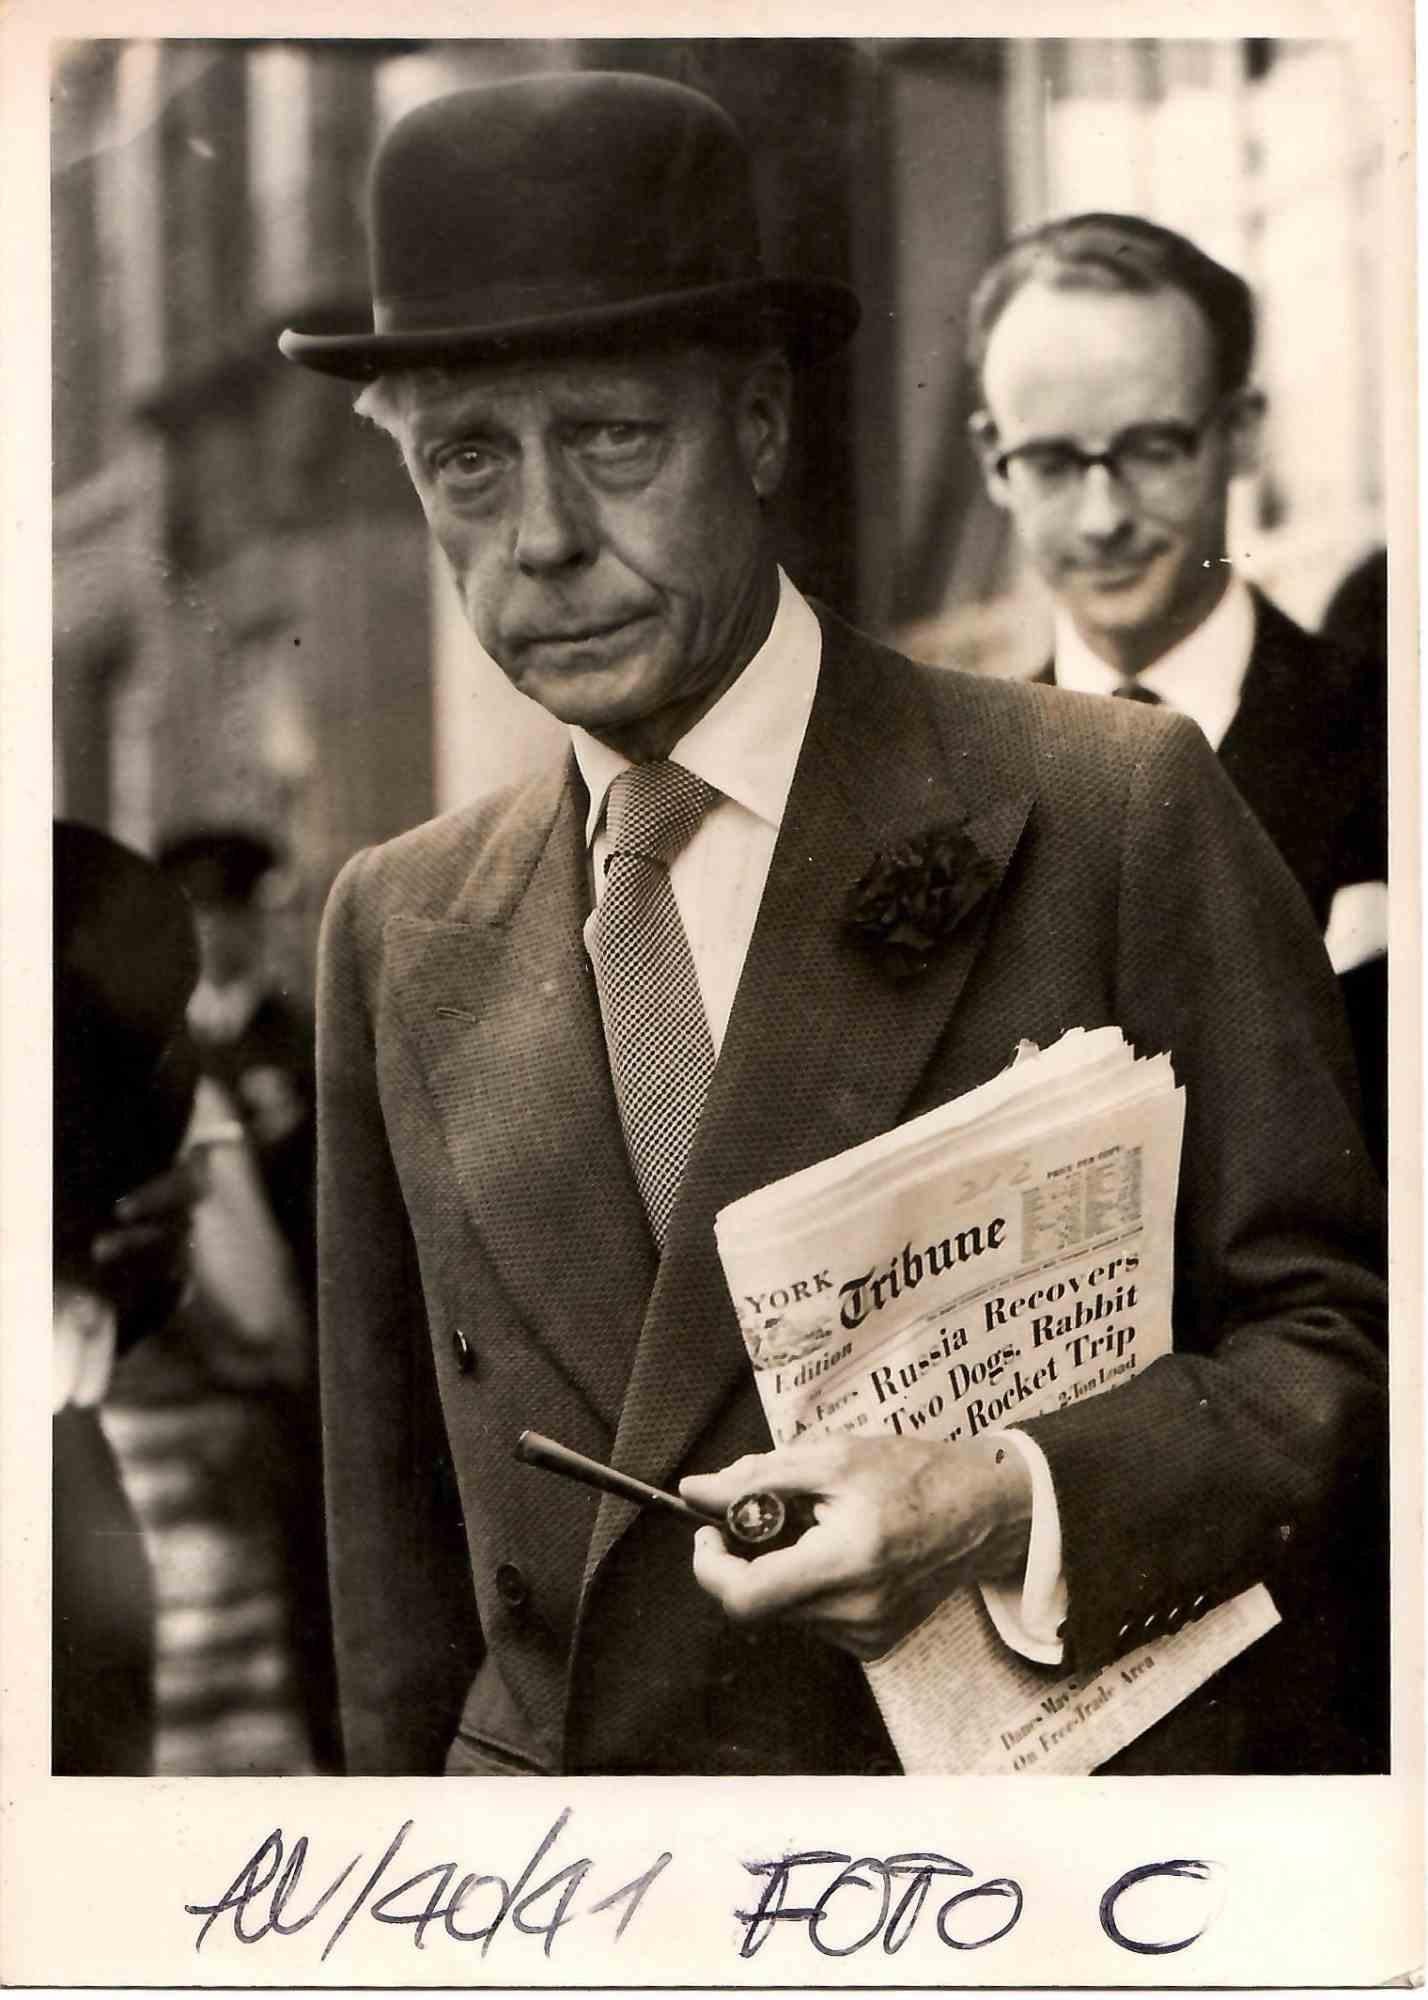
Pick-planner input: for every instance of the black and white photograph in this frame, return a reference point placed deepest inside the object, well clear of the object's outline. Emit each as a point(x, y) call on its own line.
point(715, 717)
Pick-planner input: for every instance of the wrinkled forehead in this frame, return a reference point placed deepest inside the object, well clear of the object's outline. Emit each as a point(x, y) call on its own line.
point(417, 398)
point(1074, 359)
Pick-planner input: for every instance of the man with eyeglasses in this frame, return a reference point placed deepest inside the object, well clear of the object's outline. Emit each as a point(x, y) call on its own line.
point(1114, 358)
point(1114, 362)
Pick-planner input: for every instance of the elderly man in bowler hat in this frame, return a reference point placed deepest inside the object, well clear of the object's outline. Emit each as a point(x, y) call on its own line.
point(559, 1029)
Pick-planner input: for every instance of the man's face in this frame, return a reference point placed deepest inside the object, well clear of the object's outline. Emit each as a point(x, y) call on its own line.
point(1134, 570)
point(601, 519)
point(230, 940)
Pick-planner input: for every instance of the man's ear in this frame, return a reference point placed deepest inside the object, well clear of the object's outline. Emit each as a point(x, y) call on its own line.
point(762, 414)
point(1244, 430)
point(985, 442)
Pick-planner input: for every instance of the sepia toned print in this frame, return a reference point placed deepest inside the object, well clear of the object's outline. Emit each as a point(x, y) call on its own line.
point(735, 477)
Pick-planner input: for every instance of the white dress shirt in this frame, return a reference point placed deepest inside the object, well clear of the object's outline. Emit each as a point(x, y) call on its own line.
point(747, 747)
point(1202, 675)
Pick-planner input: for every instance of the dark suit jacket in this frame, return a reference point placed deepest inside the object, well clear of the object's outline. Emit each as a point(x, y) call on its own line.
point(486, 1264)
point(1308, 751)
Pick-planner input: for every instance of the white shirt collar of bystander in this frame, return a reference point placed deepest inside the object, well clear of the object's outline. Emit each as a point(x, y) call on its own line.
point(1202, 675)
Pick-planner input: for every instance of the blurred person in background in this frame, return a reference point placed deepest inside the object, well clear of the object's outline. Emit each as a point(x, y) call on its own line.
point(1114, 363)
point(252, 1037)
point(1356, 616)
point(215, 1419)
point(255, 1040)
point(1113, 360)
point(1356, 619)
point(562, 1026)
point(125, 962)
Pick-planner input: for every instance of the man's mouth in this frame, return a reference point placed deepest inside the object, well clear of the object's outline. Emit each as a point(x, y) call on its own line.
point(588, 634)
point(1118, 574)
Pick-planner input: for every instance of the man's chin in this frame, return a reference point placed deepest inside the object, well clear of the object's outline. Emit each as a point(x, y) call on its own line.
point(1119, 605)
point(587, 695)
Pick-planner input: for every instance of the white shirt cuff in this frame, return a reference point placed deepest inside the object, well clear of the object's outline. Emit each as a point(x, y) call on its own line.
point(1029, 1616)
point(85, 1330)
point(1358, 925)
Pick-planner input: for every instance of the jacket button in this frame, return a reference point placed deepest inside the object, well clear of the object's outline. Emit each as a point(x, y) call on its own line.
point(461, 1348)
point(511, 1587)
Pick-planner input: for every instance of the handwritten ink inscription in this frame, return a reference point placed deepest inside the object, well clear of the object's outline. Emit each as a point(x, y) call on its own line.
point(832, 1930)
point(843, 1905)
point(870, 1901)
point(471, 1908)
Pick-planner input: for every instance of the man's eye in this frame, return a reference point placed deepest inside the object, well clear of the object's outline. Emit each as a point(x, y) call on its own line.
point(1157, 449)
point(1048, 463)
point(467, 467)
point(617, 444)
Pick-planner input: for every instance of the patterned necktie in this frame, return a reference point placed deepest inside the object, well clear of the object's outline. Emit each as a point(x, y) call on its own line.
point(661, 1054)
point(1133, 691)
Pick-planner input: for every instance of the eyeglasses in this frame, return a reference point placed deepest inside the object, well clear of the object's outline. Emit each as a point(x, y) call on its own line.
point(1155, 462)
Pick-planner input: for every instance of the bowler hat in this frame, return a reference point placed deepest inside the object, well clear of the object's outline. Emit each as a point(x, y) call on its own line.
point(565, 211)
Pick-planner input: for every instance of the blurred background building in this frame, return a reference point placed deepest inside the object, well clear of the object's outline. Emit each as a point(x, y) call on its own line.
point(248, 622)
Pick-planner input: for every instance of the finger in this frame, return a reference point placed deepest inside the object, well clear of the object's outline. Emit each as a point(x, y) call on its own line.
point(729, 1578)
point(811, 1466)
point(844, 1607)
point(112, 1246)
point(168, 1194)
point(778, 1585)
point(714, 1490)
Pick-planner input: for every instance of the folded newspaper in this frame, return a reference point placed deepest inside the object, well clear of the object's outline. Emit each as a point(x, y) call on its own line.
point(999, 1257)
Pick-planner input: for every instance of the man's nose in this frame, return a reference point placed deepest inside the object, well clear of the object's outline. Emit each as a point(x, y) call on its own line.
point(1103, 506)
point(553, 527)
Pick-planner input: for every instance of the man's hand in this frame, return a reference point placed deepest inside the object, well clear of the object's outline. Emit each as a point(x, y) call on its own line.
point(142, 1262)
point(153, 1219)
point(899, 1525)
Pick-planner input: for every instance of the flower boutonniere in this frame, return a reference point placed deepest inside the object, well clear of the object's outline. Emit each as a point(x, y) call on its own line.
point(914, 896)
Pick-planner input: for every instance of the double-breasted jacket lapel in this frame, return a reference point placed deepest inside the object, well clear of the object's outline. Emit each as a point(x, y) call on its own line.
point(498, 999)
point(823, 1049)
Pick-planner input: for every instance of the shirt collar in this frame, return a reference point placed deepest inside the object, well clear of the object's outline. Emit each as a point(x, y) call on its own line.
point(747, 745)
point(221, 1013)
point(1201, 675)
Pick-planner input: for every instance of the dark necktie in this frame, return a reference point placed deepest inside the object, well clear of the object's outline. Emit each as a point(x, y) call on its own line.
point(1133, 691)
point(656, 1031)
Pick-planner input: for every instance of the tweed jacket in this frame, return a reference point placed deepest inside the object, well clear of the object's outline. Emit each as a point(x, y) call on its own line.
point(486, 1266)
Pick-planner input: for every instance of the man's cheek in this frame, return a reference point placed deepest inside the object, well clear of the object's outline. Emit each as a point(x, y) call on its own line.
point(1048, 551)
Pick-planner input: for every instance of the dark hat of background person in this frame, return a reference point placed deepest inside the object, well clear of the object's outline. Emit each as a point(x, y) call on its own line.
point(218, 864)
point(125, 963)
point(565, 212)
point(1127, 253)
